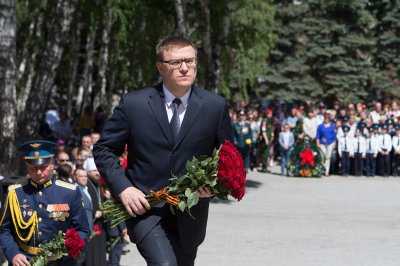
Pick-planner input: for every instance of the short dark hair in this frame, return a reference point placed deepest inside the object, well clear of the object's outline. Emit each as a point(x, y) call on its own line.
point(170, 42)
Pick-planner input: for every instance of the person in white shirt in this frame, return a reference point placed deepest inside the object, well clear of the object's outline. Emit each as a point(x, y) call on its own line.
point(384, 148)
point(310, 125)
point(345, 150)
point(359, 146)
point(286, 142)
point(371, 150)
point(255, 125)
point(375, 115)
point(396, 151)
point(344, 121)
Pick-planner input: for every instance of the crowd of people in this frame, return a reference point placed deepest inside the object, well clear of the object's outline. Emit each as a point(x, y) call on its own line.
point(355, 139)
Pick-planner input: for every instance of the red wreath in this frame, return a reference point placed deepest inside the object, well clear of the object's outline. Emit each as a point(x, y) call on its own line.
point(307, 157)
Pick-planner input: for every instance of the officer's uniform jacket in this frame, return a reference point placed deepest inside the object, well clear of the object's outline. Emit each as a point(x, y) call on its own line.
point(345, 144)
point(359, 145)
point(58, 207)
point(242, 134)
point(372, 144)
point(384, 142)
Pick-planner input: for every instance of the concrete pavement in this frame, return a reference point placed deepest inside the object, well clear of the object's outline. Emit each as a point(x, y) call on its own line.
point(296, 221)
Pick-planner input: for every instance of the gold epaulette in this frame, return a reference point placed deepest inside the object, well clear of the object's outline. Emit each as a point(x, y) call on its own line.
point(65, 184)
point(14, 186)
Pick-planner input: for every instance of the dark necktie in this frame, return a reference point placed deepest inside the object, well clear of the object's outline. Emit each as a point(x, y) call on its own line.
point(370, 143)
point(358, 145)
point(345, 144)
point(175, 124)
point(383, 141)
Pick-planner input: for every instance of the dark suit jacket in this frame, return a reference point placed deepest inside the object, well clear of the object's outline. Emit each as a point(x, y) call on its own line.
point(141, 121)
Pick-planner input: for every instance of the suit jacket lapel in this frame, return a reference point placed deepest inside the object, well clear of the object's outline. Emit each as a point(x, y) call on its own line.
point(157, 105)
point(193, 109)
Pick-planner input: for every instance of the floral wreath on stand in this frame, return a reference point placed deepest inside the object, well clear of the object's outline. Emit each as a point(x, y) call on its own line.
point(306, 160)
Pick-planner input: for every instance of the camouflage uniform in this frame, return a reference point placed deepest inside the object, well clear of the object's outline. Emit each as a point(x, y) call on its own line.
point(267, 128)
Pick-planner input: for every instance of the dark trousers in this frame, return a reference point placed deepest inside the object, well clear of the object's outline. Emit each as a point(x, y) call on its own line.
point(161, 247)
point(345, 163)
point(384, 164)
point(358, 162)
point(245, 152)
point(116, 253)
point(370, 166)
point(254, 155)
point(396, 159)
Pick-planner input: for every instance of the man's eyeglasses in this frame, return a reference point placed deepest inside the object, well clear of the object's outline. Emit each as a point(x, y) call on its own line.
point(63, 160)
point(177, 63)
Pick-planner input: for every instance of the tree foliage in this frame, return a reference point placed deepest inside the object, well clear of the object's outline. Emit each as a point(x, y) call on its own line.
point(329, 50)
point(70, 54)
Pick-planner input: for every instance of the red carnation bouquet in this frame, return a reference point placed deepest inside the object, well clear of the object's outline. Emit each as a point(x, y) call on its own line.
point(223, 173)
point(64, 244)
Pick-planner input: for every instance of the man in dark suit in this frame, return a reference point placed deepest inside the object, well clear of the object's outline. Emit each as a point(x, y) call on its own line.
point(164, 127)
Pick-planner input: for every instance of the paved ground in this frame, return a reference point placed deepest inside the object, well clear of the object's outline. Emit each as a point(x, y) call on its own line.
point(294, 221)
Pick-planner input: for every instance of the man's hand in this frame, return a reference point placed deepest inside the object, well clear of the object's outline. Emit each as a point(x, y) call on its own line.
point(98, 214)
point(20, 260)
point(204, 192)
point(134, 201)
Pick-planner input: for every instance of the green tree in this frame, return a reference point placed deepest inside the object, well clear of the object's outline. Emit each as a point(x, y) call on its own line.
point(325, 51)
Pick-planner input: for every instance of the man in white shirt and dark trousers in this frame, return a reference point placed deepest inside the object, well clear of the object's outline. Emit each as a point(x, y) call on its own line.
point(359, 152)
point(396, 151)
point(384, 148)
point(345, 150)
point(371, 150)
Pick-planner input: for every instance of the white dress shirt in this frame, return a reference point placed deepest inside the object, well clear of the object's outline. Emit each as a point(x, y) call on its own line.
point(169, 97)
point(396, 142)
point(345, 145)
point(359, 145)
point(372, 144)
point(384, 142)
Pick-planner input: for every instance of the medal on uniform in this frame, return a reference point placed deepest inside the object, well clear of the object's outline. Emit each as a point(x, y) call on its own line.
point(245, 130)
point(25, 206)
point(30, 212)
point(58, 212)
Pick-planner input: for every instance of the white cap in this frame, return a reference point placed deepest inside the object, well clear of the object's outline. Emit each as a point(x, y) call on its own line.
point(89, 164)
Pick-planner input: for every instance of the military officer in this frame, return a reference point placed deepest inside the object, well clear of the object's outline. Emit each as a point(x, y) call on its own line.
point(345, 150)
point(39, 208)
point(360, 148)
point(242, 136)
point(396, 151)
point(372, 150)
point(384, 149)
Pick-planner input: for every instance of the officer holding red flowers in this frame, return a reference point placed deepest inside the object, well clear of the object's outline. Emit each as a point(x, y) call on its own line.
point(36, 210)
point(242, 137)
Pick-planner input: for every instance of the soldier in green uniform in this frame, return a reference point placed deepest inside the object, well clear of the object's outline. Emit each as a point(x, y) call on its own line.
point(298, 131)
point(242, 136)
point(266, 136)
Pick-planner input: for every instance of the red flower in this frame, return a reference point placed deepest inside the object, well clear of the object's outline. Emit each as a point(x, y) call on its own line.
point(73, 243)
point(97, 230)
point(307, 158)
point(231, 170)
